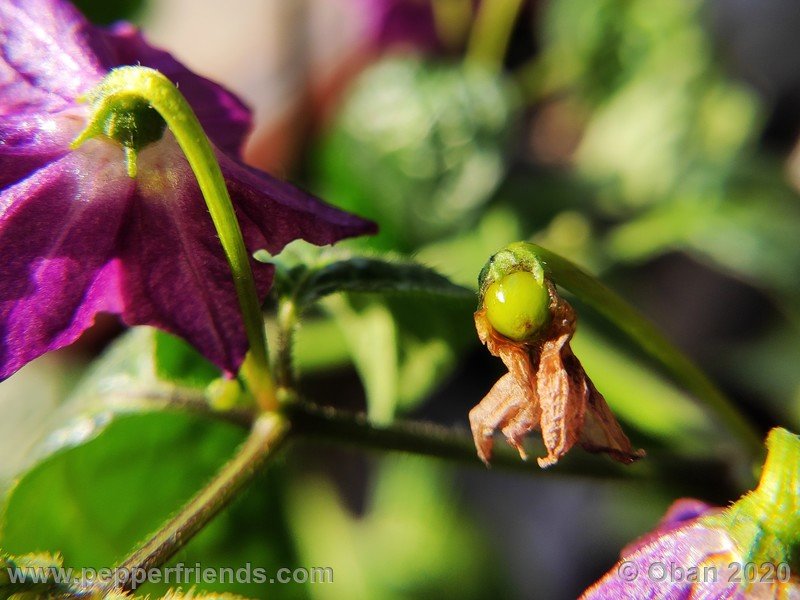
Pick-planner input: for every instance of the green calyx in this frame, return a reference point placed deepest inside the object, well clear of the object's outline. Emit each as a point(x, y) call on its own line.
point(766, 522)
point(126, 117)
point(135, 124)
point(515, 293)
point(514, 257)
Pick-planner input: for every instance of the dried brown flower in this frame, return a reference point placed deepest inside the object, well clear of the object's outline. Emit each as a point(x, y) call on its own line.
point(545, 389)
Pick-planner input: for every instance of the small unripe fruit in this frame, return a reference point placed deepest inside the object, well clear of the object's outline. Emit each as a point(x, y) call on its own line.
point(517, 305)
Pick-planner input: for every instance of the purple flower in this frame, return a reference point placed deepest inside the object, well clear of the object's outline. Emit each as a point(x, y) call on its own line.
point(79, 236)
point(401, 22)
point(698, 551)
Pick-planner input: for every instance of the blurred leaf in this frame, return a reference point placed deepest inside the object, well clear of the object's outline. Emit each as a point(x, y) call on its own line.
point(462, 256)
point(750, 231)
point(643, 399)
point(661, 118)
point(419, 147)
point(319, 345)
point(144, 370)
point(767, 368)
point(401, 347)
point(96, 501)
point(176, 361)
point(308, 273)
point(411, 541)
point(27, 402)
point(102, 12)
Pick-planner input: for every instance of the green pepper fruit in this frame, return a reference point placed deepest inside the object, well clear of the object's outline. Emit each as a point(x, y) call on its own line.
point(517, 305)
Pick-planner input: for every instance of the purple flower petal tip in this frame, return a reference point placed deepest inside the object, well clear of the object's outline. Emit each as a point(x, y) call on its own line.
point(685, 557)
point(391, 23)
point(78, 236)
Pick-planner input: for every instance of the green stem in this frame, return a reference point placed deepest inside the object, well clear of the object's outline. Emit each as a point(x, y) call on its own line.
point(491, 33)
point(286, 323)
point(765, 524)
point(267, 433)
point(649, 338)
point(119, 88)
point(709, 478)
point(452, 19)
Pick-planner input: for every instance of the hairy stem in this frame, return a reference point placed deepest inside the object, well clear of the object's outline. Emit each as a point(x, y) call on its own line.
point(267, 433)
point(286, 323)
point(127, 83)
point(709, 478)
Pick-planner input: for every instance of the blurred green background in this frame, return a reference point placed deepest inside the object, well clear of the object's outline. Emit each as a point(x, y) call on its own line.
point(651, 141)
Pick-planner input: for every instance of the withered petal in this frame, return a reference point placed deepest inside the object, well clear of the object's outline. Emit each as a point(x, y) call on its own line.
point(546, 389)
point(507, 405)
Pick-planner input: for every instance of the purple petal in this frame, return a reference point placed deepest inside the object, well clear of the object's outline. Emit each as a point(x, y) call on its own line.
point(174, 274)
point(144, 249)
point(401, 22)
point(78, 236)
point(679, 513)
point(224, 117)
point(660, 568)
point(31, 141)
point(685, 509)
point(57, 234)
point(49, 55)
point(272, 213)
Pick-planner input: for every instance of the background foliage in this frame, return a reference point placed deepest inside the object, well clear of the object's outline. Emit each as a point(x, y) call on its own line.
point(623, 135)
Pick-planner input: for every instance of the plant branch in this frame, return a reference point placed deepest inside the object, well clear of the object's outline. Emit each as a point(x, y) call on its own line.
point(710, 478)
point(267, 433)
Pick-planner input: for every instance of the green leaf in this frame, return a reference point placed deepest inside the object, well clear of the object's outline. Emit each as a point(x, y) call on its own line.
point(144, 370)
point(307, 274)
point(27, 402)
point(401, 323)
point(176, 361)
point(377, 275)
point(95, 502)
point(407, 543)
point(402, 347)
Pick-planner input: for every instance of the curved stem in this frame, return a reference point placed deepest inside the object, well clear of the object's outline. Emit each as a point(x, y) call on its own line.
point(649, 338)
point(267, 433)
point(492, 30)
point(126, 83)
